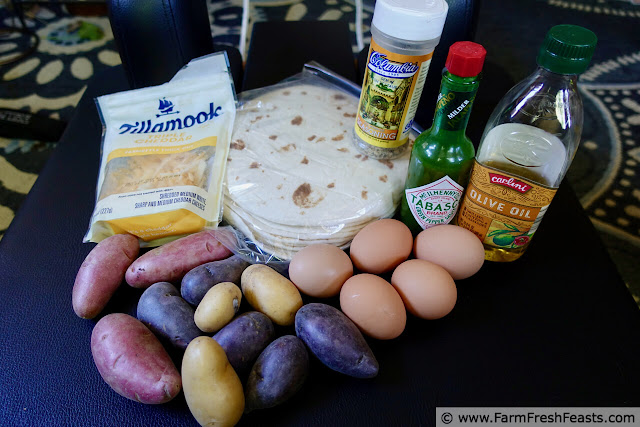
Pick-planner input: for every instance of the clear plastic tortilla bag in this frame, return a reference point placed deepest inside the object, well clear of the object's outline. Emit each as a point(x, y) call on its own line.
point(164, 154)
point(294, 175)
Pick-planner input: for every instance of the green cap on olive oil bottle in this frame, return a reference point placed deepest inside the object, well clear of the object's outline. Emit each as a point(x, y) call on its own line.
point(567, 49)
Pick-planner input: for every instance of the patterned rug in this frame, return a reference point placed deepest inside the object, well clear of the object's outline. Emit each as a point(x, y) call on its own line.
point(605, 171)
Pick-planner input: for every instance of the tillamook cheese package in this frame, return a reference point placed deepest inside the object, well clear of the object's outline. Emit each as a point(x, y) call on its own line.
point(164, 153)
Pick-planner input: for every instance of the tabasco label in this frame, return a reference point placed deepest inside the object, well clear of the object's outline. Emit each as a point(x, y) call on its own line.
point(435, 203)
point(501, 209)
point(390, 94)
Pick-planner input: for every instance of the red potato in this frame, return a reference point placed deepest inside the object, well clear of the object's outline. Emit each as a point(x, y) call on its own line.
point(101, 274)
point(133, 361)
point(170, 262)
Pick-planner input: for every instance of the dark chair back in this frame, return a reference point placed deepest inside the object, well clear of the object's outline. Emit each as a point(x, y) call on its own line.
point(156, 38)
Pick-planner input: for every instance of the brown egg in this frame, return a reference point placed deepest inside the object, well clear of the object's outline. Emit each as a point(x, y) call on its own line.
point(374, 306)
point(454, 248)
point(426, 289)
point(320, 270)
point(381, 246)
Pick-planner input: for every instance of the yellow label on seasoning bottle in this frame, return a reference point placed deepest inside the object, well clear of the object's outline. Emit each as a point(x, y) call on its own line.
point(503, 210)
point(390, 94)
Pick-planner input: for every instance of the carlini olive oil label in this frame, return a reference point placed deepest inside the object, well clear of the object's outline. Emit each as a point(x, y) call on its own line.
point(502, 209)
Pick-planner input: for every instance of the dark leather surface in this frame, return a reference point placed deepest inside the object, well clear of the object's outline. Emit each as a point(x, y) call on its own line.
point(155, 38)
point(555, 328)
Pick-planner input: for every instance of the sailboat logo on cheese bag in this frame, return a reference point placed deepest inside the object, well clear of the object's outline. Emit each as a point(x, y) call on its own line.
point(165, 107)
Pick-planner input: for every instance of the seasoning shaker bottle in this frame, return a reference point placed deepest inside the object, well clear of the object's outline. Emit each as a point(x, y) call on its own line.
point(527, 146)
point(404, 34)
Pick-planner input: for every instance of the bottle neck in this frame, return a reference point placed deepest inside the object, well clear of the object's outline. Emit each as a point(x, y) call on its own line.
point(454, 103)
point(554, 79)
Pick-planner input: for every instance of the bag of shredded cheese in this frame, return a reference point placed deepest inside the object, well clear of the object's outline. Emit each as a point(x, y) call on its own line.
point(164, 154)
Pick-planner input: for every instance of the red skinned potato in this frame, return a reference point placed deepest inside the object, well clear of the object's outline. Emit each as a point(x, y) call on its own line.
point(101, 274)
point(132, 361)
point(170, 262)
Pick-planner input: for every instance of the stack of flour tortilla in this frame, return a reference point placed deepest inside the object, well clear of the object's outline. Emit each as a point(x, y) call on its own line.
point(294, 177)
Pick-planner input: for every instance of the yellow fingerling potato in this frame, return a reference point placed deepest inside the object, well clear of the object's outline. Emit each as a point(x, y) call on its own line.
point(211, 387)
point(271, 293)
point(218, 307)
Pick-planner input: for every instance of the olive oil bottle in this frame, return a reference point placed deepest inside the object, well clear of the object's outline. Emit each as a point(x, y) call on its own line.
point(527, 147)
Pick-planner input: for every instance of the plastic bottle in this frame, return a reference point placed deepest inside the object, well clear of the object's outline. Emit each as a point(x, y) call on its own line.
point(442, 156)
point(404, 36)
point(527, 146)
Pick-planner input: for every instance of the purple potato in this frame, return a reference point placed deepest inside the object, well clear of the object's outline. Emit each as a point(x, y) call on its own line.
point(244, 338)
point(335, 340)
point(197, 282)
point(168, 316)
point(278, 373)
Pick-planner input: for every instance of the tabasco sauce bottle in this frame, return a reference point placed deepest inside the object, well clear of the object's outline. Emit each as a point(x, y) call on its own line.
point(442, 156)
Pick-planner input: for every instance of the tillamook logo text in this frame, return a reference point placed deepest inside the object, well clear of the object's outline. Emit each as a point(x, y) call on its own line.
point(177, 123)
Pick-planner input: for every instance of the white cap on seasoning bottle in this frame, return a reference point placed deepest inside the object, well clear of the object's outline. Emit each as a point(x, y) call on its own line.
point(415, 20)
